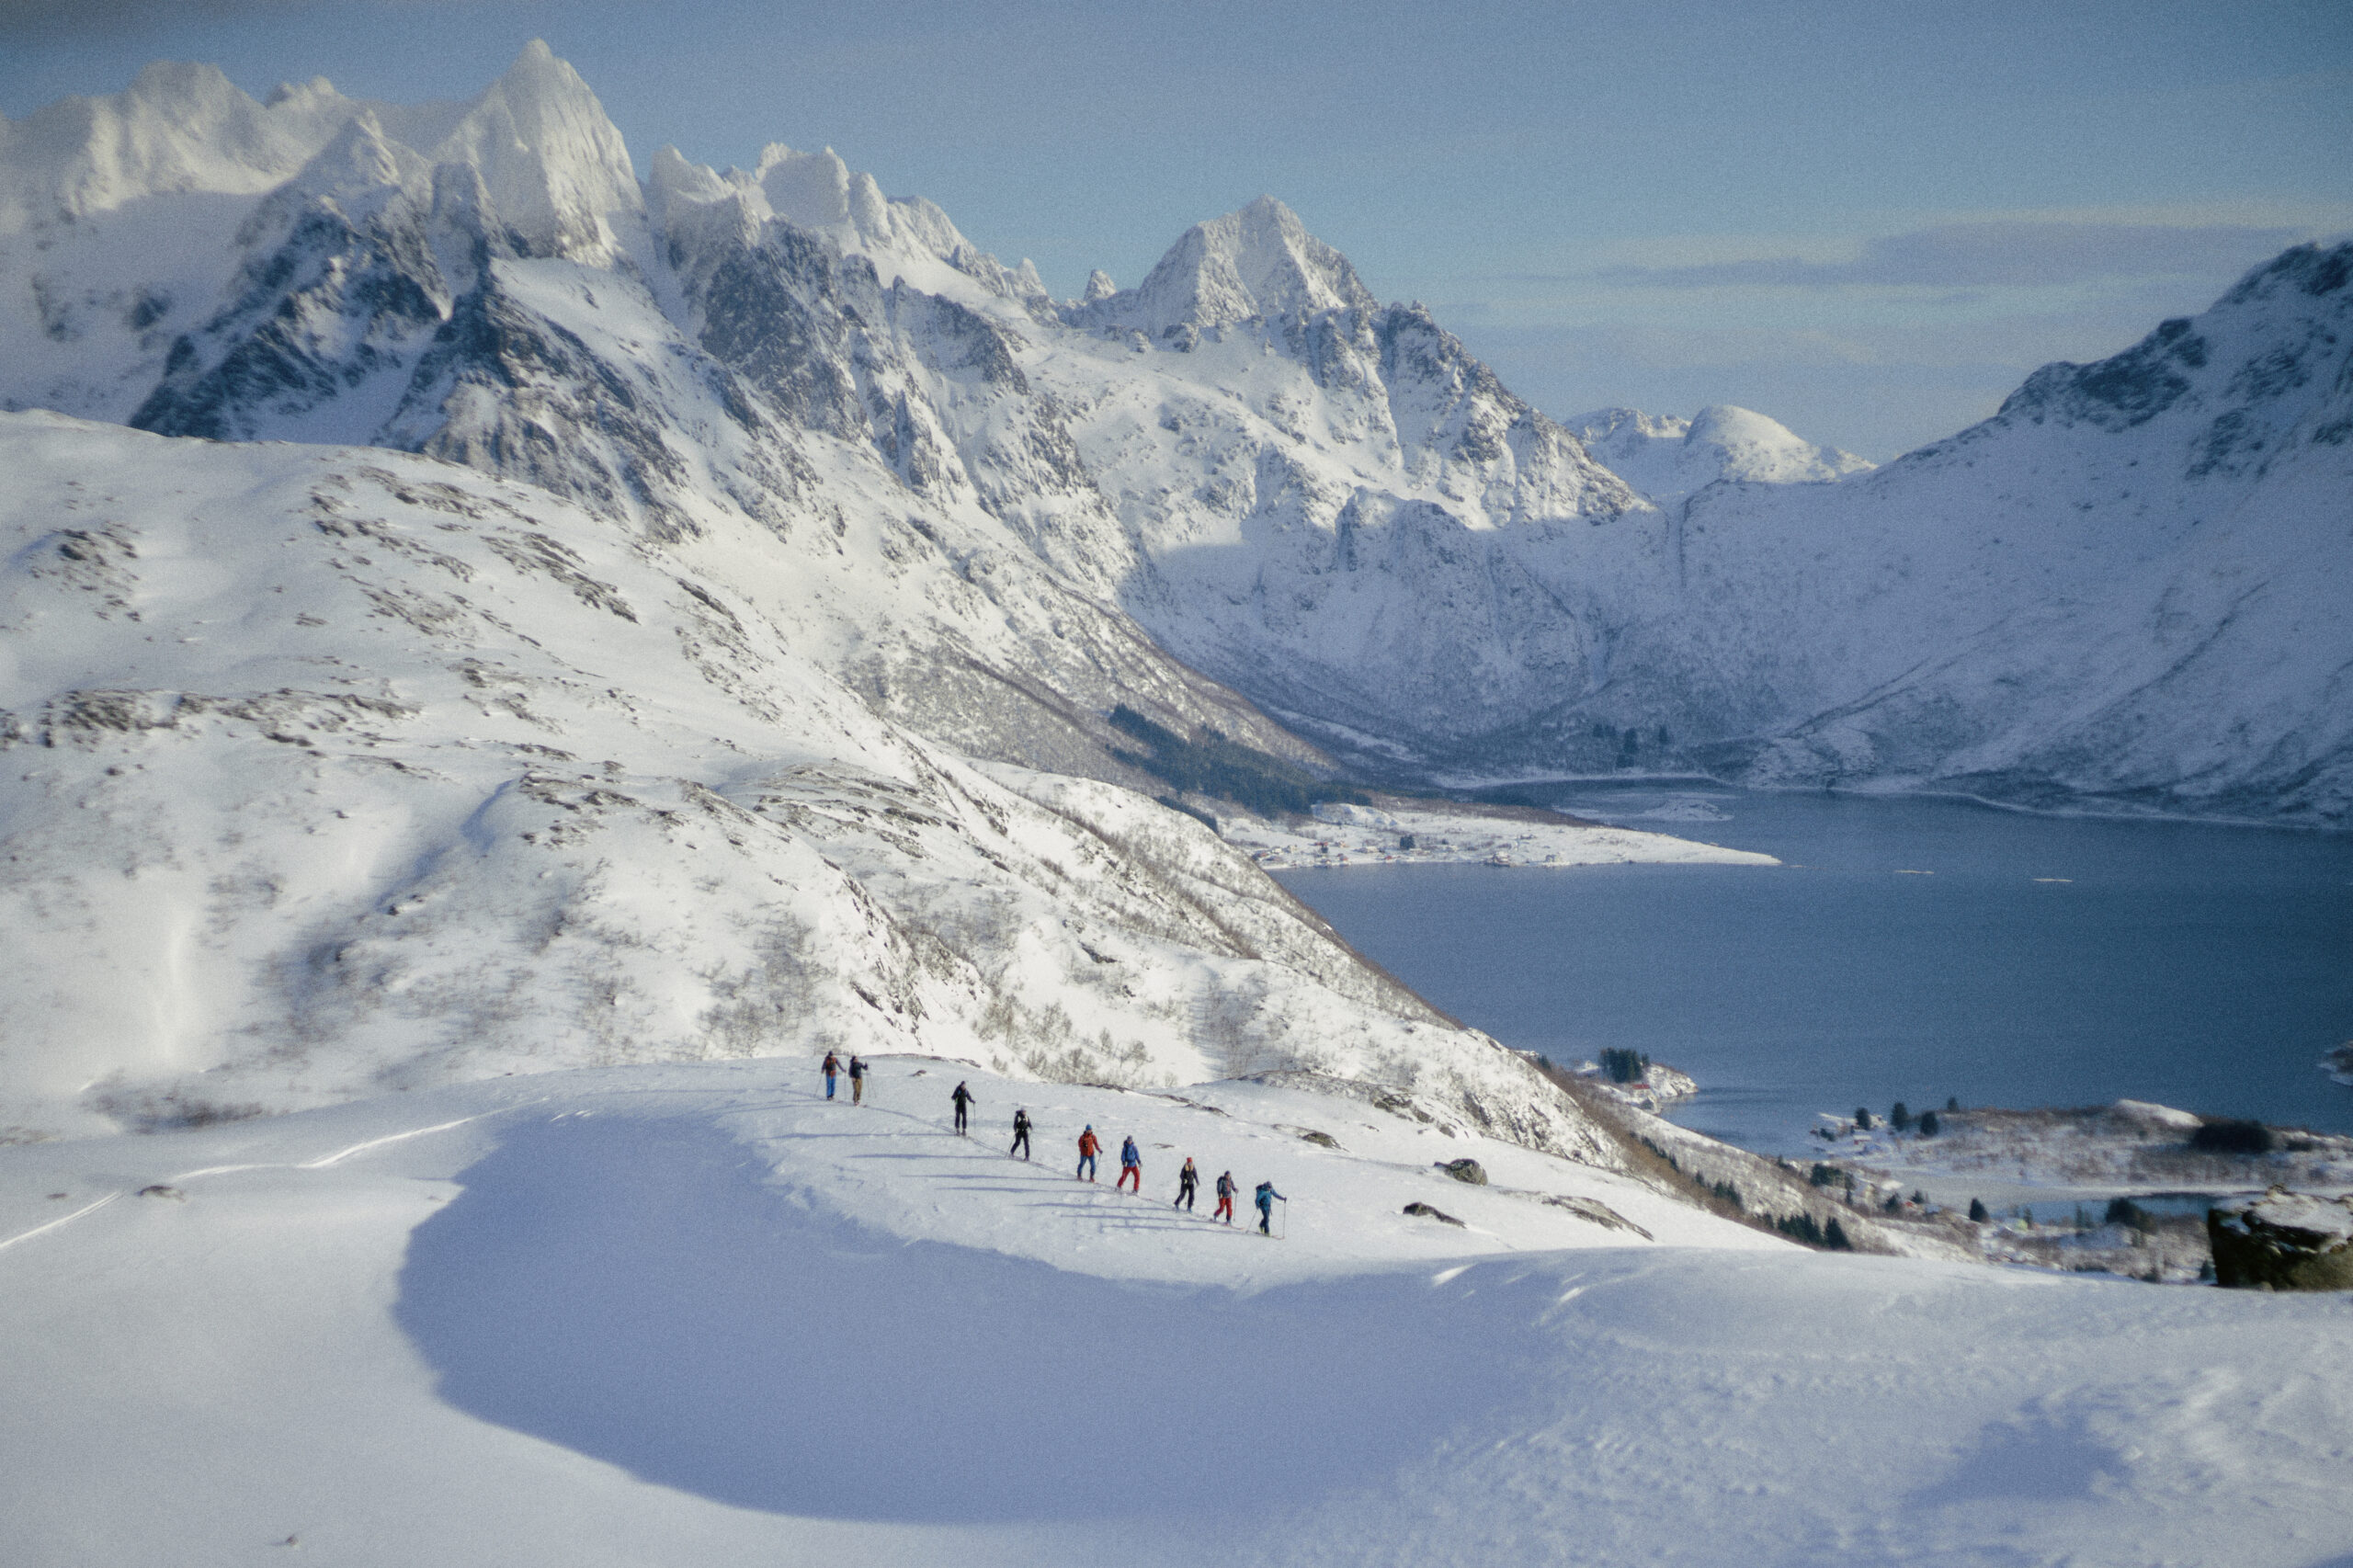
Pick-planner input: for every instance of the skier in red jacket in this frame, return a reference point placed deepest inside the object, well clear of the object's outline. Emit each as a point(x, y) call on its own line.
point(1088, 1147)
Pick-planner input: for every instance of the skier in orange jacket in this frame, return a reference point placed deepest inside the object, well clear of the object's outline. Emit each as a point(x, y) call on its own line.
point(1088, 1147)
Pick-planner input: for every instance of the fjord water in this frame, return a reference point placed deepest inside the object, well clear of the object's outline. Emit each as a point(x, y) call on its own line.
point(1909, 949)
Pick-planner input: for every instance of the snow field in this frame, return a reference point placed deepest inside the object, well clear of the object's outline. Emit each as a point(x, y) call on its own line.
point(696, 1313)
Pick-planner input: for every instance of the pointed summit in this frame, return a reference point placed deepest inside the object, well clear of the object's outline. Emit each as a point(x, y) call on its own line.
point(1259, 261)
point(552, 161)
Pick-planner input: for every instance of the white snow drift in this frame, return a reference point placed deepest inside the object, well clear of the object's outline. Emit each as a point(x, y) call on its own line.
point(695, 1314)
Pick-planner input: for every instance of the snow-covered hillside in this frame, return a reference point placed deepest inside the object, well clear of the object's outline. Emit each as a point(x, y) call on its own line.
point(1666, 458)
point(335, 772)
point(761, 492)
point(696, 1314)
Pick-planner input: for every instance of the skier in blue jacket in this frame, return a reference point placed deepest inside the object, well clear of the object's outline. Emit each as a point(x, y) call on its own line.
point(1267, 1199)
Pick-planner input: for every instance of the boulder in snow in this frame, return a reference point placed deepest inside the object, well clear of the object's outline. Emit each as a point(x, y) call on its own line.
point(2283, 1241)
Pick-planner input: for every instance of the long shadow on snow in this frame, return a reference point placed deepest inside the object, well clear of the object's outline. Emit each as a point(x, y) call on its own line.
point(628, 1287)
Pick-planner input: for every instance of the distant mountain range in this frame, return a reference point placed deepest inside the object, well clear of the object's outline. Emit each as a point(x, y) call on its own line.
point(858, 512)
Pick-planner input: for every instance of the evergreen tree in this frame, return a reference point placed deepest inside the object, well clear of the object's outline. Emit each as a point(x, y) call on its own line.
point(1953, 1102)
point(1978, 1213)
point(1900, 1117)
point(1833, 1237)
point(1863, 1123)
point(1929, 1126)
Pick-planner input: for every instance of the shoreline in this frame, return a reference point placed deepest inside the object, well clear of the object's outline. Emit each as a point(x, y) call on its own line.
point(1709, 781)
point(1399, 831)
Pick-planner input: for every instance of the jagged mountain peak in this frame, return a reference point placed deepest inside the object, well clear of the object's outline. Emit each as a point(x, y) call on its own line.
point(1259, 260)
point(551, 159)
point(359, 162)
point(177, 127)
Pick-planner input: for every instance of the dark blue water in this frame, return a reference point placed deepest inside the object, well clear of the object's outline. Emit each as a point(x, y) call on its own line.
point(2208, 968)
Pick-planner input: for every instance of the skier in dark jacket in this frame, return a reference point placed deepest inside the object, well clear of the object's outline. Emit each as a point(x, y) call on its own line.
point(856, 1081)
point(1020, 1134)
point(1130, 1164)
point(832, 1064)
point(1189, 1181)
point(1226, 1191)
point(964, 1099)
point(1267, 1199)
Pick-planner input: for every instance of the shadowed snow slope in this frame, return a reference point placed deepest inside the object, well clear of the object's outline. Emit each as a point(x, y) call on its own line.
point(696, 1313)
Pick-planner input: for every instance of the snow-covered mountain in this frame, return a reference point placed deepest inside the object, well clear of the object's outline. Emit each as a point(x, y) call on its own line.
point(1667, 458)
point(674, 687)
point(2129, 586)
point(1320, 502)
point(813, 441)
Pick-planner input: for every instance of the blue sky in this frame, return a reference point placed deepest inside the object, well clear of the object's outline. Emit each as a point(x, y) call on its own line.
point(1870, 220)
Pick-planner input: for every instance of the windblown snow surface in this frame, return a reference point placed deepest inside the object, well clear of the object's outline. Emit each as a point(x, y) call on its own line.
point(697, 1315)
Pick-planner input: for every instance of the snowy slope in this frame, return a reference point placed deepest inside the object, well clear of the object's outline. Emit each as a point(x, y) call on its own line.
point(694, 1314)
point(1666, 458)
point(2129, 585)
point(337, 771)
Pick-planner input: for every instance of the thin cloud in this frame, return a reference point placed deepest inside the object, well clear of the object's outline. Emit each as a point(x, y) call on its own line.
point(1994, 255)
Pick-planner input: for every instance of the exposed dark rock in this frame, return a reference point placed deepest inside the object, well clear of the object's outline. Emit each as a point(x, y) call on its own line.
point(2283, 1241)
point(1466, 1170)
point(1426, 1212)
point(1596, 1212)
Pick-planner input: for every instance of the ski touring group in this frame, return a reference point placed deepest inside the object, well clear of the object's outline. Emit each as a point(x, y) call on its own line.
point(1188, 1180)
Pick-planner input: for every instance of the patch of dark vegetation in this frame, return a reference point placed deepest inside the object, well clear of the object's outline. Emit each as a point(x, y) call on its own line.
point(1426, 1212)
point(1198, 815)
point(2234, 1136)
point(1803, 1227)
point(1622, 1066)
point(172, 1112)
point(1720, 1197)
point(1217, 766)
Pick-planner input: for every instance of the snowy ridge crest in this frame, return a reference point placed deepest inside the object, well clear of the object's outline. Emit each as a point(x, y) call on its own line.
point(1259, 261)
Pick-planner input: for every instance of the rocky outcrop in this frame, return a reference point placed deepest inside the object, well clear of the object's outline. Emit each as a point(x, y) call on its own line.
point(2283, 1241)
